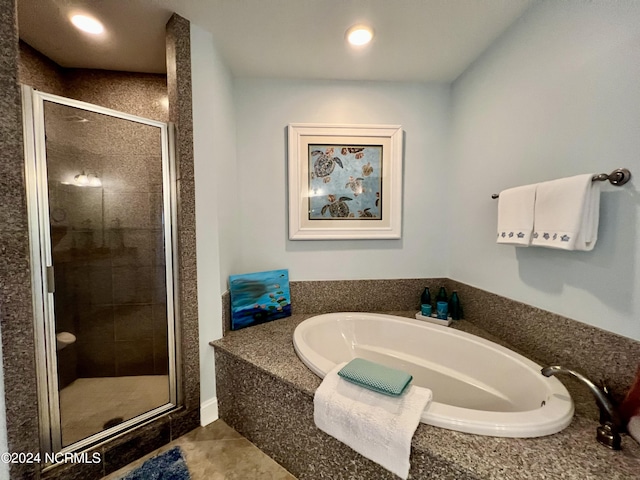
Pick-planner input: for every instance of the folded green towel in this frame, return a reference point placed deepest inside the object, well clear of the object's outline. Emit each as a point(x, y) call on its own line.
point(376, 377)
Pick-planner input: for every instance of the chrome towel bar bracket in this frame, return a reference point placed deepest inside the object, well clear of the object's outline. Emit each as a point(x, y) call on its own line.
point(618, 177)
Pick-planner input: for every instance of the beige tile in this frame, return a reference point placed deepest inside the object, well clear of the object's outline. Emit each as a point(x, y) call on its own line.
point(217, 430)
point(218, 452)
point(229, 459)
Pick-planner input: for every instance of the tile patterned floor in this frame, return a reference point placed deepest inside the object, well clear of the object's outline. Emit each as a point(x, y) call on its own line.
point(87, 403)
point(218, 452)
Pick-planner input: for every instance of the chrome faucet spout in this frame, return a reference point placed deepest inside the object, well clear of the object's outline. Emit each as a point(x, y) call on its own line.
point(601, 399)
point(608, 432)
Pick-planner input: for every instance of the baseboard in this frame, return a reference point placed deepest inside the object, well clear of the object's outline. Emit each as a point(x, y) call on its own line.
point(209, 411)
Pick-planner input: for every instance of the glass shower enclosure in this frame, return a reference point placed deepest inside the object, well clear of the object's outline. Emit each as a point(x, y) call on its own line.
point(102, 209)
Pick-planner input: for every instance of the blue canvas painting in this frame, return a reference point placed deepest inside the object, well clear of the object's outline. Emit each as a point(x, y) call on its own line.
point(345, 182)
point(259, 297)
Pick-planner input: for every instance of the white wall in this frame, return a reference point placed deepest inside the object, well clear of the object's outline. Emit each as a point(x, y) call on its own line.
point(557, 95)
point(265, 107)
point(214, 163)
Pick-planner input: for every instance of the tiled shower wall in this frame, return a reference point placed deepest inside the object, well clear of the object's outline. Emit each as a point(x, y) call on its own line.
point(141, 94)
point(16, 313)
point(107, 241)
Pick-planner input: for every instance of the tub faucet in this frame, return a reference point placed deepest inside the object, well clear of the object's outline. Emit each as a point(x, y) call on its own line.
point(608, 433)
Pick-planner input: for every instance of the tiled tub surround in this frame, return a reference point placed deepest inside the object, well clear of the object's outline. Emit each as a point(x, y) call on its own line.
point(534, 332)
point(350, 296)
point(266, 393)
point(552, 338)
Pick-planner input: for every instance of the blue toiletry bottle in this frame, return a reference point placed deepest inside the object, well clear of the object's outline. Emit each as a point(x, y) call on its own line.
point(425, 298)
point(442, 295)
point(455, 310)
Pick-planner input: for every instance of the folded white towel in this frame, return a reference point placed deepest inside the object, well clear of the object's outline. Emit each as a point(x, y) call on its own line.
point(377, 426)
point(567, 212)
point(515, 215)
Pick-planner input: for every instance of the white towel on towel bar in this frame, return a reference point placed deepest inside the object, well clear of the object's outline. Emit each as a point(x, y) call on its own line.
point(515, 215)
point(377, 426)
point(567, 213)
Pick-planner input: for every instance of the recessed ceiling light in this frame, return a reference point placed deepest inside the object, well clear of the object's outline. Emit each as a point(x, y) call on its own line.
point(87, 24)
point(359, 35)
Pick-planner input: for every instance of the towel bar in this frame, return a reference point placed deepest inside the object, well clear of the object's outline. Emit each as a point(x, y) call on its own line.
point(618, 177)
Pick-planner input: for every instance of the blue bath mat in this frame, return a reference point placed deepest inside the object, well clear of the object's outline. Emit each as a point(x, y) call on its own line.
point(169, 465)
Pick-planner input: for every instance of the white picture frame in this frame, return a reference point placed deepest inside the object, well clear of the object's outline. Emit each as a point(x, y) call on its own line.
point(345, 181)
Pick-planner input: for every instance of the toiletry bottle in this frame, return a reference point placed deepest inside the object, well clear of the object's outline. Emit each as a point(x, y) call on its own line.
point(442, 295)
point(455, 310)
point(425, 298)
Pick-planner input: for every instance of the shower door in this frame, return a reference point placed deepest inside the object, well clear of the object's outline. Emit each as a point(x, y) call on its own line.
point(101, 203)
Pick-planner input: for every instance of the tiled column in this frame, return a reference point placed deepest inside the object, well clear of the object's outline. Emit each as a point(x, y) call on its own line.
point(180, 113)
point(16, 318)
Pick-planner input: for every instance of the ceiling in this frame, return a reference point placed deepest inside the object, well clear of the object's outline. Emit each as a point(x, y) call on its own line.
point(416, 40)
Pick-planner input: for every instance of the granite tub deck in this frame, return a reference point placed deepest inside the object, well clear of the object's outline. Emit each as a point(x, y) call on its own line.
point(266, 393)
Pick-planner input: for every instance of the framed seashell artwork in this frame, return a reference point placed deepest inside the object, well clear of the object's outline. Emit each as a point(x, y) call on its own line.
point(259, 297)
point(345, 181)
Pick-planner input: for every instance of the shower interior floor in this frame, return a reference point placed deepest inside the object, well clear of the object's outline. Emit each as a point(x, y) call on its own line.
point(88, 403)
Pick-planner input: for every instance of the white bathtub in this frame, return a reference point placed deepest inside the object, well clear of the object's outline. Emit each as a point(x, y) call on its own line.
point(478, 386)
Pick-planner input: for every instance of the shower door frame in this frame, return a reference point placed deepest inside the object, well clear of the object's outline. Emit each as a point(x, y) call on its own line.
point(42, 268)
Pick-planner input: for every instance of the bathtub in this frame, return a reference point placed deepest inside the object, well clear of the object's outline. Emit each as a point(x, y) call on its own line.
point(478, 386)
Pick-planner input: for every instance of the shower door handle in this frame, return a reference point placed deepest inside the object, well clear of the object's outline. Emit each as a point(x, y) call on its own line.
point(51, 282)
